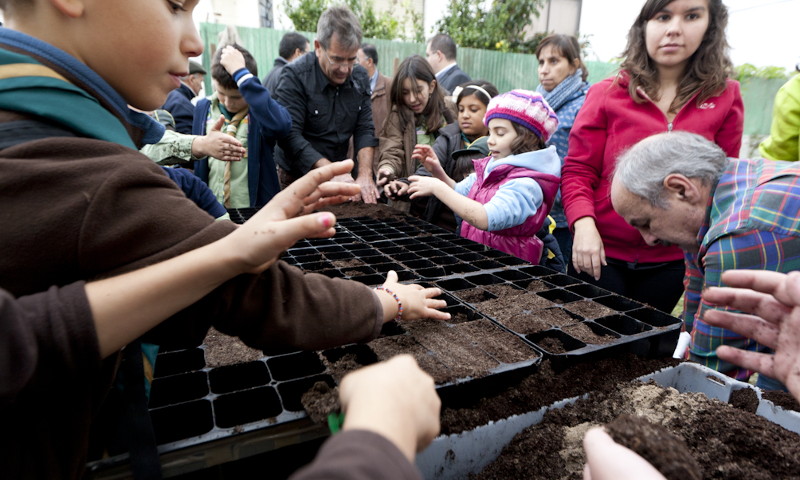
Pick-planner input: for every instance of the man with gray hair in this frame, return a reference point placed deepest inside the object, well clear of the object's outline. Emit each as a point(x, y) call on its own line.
point(327, 95)
point(725, 213)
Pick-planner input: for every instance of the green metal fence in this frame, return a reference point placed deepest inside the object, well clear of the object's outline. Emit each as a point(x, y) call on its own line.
point(505, 70)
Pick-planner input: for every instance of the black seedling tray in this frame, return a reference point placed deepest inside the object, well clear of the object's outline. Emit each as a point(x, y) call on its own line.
point(205, 416)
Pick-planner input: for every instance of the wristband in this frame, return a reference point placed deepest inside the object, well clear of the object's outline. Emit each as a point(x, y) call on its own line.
point(397, 299)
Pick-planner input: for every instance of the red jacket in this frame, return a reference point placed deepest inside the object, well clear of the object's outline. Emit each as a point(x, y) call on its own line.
point(609, 123)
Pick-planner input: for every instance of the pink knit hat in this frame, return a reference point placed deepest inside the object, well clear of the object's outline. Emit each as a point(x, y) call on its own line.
point(526, 108)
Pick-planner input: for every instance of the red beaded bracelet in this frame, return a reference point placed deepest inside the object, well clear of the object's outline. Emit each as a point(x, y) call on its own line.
point(397, 299)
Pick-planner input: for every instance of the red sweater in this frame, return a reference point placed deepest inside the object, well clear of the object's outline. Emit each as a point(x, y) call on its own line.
point(609, 123)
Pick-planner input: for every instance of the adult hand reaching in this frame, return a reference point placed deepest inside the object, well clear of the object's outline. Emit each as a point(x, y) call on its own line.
point(771, 305)
point(608, 460)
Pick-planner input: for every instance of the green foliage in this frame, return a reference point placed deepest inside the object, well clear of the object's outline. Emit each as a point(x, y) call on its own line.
point(748, 70)
point(400, 22)
point(498, 26)
point(305, 13)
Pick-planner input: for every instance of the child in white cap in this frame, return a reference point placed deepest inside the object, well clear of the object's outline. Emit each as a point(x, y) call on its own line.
point(506, 201)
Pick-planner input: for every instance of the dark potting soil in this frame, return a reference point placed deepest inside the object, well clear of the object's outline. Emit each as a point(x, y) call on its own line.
point(744, 399)
point(667, 452)
point(582, 332)
point(784, 400)
point(502, 308)
point(359, 209)
point(498, 400)
point(589, 309)
point(320, 401)
point(552, 345)
point(724, 441)
point(222, 350)
point(350, 262)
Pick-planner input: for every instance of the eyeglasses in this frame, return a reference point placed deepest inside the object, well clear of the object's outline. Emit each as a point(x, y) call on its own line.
point(343, 63)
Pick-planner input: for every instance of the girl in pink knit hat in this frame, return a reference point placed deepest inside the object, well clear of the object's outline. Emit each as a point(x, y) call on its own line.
point(506, 201)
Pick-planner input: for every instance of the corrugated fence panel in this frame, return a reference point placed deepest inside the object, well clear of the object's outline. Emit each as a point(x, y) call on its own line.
point(505, 70)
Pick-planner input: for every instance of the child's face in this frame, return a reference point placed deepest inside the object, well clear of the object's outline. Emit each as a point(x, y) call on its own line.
point(231, 98)
point(417, 95)
point(470, 116)
point(140, 47)
point(501, 136)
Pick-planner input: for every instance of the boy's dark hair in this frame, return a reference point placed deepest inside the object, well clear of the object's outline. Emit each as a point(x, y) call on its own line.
point(371, 52)
point(291, 42)
point(526, 140)
point(222, 77)
point(568, 47)
point(445, 44)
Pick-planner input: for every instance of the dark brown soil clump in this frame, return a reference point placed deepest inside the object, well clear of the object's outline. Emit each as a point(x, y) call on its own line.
point(668, 453)
point(744, 399)
point(501, 308)
point(582, 332)
point(320, 401)
point(552, 345)
point(784, 400)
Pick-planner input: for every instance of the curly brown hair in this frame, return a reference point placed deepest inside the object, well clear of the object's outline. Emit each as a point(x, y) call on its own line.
point(706, 71)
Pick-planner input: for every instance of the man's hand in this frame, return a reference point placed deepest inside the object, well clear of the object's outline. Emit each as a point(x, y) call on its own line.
point(395, 399)
point(232, 59)
point(259, 242)
point(771, 305)
point(424, 186)
point(218, 145)
point(385, 175)
point(369, 192)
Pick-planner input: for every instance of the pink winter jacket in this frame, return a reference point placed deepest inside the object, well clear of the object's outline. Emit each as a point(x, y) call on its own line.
point(609, 123)
point(520, 241)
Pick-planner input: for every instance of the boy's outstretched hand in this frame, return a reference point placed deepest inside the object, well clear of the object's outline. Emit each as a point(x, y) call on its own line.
point(284, 220)
point(218, 145)
point(771, 305)
point(231, 59)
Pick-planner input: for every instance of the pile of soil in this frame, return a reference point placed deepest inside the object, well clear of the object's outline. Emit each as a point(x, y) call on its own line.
point(723, 441)
point(222, 350)
point(589, 309)
point(492, 401)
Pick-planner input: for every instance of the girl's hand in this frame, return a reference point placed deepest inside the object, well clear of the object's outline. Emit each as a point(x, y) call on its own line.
point(385, 175)
point(418, 302)
point(423, 186)
point(425, 155)
point(395, 189)
point(588, 254)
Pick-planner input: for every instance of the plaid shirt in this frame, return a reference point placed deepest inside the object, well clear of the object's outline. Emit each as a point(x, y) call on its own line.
point(752, 222)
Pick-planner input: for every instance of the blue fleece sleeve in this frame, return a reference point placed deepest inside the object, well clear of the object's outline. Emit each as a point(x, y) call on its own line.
point(514, 202)
point(464, 186)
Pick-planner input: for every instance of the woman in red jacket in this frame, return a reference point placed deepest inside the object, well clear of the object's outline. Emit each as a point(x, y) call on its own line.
point(674, 77)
